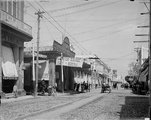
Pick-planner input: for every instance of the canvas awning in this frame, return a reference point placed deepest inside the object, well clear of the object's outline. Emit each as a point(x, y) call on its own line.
point(143, 75)
point(43, 70)
point(8, 64)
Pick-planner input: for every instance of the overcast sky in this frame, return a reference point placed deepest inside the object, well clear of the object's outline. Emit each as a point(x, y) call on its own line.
point(106, 28)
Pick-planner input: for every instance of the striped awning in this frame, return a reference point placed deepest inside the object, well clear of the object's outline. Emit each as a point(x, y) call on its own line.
point(143, 75)
point(8, 65)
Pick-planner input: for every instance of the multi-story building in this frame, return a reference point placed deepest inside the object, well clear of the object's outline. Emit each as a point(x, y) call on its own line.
point(13, 33)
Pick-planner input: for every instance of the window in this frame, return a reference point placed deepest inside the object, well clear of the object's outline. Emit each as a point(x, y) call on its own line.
point(5, 2)
point(10, 7)
point(14, 8)
point(3, 5)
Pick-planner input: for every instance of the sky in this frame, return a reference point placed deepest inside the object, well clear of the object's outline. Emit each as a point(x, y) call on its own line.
point(106, 28)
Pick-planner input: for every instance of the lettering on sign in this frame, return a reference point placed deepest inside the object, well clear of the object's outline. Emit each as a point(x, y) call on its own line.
point(70, 62)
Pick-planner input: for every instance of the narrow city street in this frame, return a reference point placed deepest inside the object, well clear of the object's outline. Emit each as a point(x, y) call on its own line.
point(75, 59)
point(117, 105)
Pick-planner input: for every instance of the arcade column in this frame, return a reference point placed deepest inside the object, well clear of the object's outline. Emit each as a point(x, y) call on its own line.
point(52, 72)
point(16, 59)
point(21, 72)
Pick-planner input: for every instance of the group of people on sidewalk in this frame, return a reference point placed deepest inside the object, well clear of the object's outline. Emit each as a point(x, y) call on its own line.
point(82, 82)
point(43, 87)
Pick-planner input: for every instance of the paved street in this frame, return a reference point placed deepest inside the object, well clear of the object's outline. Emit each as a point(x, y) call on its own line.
point(56, 55)
point(18, 108)
point(118, 105)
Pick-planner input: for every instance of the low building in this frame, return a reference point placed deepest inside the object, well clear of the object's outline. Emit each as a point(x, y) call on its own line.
point(54, 71)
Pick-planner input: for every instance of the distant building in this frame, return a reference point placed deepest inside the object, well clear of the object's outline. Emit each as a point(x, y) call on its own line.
point(100, 71)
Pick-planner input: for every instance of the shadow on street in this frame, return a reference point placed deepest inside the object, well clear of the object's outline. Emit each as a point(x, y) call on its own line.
point(135, 107)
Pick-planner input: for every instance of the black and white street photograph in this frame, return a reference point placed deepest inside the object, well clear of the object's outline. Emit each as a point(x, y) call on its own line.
point(75, 59)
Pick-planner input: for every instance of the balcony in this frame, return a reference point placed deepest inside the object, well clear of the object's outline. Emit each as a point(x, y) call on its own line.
point(15, 23)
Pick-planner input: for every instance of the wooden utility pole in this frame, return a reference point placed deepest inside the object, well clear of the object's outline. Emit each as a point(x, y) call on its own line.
point(150, 60)
point(62, 77)
point(33, 64)
point(39, 13)
point(0, 61)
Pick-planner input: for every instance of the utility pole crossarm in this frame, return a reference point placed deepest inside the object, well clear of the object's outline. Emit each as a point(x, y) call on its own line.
point(39, 13)
point(142, 35)
point(145, 26)
point(140, 41)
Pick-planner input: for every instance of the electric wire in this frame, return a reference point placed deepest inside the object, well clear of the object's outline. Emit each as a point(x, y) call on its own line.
point(85, 51)
point(112, 33)
point(88, 9)
point(120, 57)
point(51, 22)
point(50, 32)
point(71, 7)
point(102, 58)
point(104, 27)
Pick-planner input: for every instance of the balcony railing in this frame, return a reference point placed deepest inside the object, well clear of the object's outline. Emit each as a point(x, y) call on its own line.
point(14, 22)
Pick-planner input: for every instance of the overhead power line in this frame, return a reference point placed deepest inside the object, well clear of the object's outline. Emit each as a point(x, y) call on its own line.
point(72, 7)
point(103, 27)
point(111, 33)
point(88, 9)
point(84, 50)
point(120, 57)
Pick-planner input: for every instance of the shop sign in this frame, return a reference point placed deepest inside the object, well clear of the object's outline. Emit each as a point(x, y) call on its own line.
point(70, 62)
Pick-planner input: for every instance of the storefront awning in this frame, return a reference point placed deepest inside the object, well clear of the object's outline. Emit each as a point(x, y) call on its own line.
point(43, 70)
point(8, 64)
point(143, 75)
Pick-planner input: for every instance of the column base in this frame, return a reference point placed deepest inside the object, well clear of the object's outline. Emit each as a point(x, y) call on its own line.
point(21, 92)
point(2, 94)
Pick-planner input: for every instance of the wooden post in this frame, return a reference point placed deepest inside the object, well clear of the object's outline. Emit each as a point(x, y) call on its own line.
point(39, 13)
point(62, 77)
point(150, 60)
point(0, 57)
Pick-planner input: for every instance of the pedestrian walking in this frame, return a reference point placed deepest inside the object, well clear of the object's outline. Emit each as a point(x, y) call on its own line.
point(43, 85)
point(49, 90)
point(0, 98)
point(15, 90)
point(54, 89)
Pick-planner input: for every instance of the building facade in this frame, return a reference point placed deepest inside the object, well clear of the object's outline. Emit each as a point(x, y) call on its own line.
point(13, 33)
point(55, 71)
point(48, 70)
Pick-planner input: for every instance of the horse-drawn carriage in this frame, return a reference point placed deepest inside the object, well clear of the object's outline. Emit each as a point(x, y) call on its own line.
point(105, 87)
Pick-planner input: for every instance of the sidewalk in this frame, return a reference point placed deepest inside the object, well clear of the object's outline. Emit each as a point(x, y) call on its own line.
point(13, 99)
point(7, 100)
point(13, 108)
